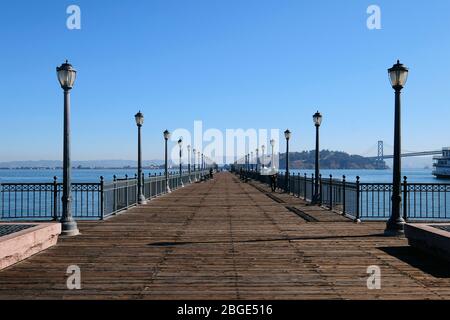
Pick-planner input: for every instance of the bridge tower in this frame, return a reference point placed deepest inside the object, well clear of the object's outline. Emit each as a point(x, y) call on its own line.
point(380, 150)
point(380, 158)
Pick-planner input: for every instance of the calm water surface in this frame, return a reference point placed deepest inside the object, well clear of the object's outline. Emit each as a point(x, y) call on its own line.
point(77, 175)
point(414, 175)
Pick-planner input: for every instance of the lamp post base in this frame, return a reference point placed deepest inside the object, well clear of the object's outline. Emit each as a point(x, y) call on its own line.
point(142, 199)
point(394, 233)
point(395, 228)
point(69, 229)
point(316, 200)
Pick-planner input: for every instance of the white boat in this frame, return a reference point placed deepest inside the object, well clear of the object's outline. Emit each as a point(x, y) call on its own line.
point(442, 165)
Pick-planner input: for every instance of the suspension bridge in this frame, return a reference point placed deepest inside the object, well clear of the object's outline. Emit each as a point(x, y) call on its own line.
point(381, 156)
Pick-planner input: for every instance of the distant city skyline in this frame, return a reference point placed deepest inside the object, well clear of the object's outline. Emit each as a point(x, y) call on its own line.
point(231, 64)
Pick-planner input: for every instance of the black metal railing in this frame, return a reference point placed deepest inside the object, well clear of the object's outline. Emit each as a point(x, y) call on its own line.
point(366, 201)
point(90, 201)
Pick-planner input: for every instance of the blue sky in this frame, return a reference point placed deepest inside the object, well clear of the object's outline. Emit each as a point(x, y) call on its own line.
point(230, 63)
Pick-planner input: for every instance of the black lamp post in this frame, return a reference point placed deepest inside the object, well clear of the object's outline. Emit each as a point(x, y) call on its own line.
point(263, 148)
point(257, 160)
point(66, 76)
point(166, 171)
point(398, 75)
point(139, 117)
point(189, 162)
point(317, 118)
point(180, 144)
point(203, 162)
point(272, 143)
point(287, 135)
point(194, 154)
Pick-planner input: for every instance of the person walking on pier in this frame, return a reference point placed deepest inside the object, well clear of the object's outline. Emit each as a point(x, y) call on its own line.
point(273, 182)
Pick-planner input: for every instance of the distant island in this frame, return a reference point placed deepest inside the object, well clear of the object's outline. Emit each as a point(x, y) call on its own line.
point(329, 160)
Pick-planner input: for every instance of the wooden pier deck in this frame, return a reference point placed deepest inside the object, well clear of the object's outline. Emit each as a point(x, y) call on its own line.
point(224, 239)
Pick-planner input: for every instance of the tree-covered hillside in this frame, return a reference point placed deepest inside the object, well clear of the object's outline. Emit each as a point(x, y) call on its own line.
point(328, 160)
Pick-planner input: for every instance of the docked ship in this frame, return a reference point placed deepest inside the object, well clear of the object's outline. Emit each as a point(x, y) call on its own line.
point(442, 165)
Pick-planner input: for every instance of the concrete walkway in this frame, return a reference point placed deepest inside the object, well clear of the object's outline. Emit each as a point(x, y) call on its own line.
point(224, 239)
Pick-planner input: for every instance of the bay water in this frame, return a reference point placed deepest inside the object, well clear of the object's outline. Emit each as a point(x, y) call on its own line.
point(93, 175)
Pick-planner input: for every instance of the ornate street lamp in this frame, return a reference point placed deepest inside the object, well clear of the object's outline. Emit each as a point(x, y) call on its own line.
point(203, 162)
point(180, 144)
point(66, 77)
point(194, 153)
point(317, 198)
point(199, 165)
point(189, 162)
point(272, 143)
point(398, 75)
point(139, 117)
point(287, 135)
point(166, 171)
point(257, 160)
point(263, 148)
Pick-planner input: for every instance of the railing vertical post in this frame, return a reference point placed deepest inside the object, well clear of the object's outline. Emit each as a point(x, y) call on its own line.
point(343, 194)
point(143, 185)
point(357, 219)
point(321, 189)
point(150, 185)
point(331, 192)
point(312, 186)
point(55, 198)
point(174, 181)
point(136, 189)
point(102, 198)
point(306, 185)
point(405, 198)
point(298, 185)
point(115, 194)
point(126, 191)
point(293, 184)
